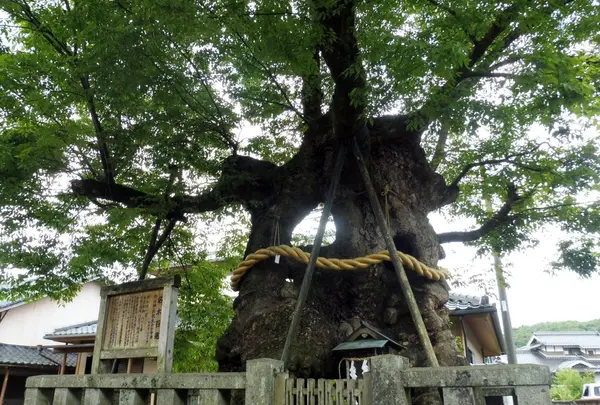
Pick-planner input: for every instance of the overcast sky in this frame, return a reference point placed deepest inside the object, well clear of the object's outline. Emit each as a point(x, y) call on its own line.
point(534, 295)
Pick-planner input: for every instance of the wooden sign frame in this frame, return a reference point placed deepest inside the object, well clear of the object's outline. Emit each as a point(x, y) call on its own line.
point(111, 297)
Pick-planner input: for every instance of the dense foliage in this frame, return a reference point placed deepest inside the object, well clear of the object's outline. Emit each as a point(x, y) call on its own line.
point(568, 384)
point(522, 334)
point(204, 314)
point(116, 119)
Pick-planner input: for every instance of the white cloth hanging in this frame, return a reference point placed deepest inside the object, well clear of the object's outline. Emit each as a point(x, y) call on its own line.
point(353, 371)
point(365, 366)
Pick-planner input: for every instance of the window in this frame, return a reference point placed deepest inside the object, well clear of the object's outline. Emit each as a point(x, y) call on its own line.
point(586, 392)
point(597, 391)
point(470, 356)
point(88, 365)
point(590, 352)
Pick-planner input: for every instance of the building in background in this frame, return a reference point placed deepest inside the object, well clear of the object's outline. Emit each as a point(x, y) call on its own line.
point(475, 324)
point(563, 350)
point(25, 348)
point(19, 362)
point(26, 323)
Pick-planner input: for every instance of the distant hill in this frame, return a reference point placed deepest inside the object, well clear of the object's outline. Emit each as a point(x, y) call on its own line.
point(522, 334)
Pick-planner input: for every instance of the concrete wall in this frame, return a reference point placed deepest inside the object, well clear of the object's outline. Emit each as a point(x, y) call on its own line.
point(27, 324)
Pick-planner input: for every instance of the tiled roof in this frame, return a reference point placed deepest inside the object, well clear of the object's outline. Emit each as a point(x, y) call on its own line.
point(459, 302)
point(573, 363)
point(82, 329)
point(32, 356)
point(586, 340)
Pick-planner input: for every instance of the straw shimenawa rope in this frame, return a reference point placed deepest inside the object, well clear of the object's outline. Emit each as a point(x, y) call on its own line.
point(334, 264)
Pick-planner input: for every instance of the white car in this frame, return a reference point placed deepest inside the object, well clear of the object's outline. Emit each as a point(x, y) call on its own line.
point(591, 391)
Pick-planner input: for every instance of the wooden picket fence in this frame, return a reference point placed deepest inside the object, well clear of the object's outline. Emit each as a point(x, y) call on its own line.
point(298, 391)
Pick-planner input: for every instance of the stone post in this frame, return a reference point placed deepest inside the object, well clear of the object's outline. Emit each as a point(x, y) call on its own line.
point(384, 382)
point(65, 396)
point(131, 397)
point(36, 396)
point(170, 397)
point(260, 381)
point(211, 397)
point(95, 396)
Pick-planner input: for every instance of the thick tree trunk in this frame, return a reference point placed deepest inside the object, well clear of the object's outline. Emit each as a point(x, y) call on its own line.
point(338, 299)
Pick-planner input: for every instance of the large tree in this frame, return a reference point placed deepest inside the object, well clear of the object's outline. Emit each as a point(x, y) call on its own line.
point(127, 123)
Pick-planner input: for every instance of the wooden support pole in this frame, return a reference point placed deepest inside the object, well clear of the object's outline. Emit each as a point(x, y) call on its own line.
point(391, 247)
point(4, 385)
point(63, 365)
point(310, 268)
point(129, 365)
point(77, 364)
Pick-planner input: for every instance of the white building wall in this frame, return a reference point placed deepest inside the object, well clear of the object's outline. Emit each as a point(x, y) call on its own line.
point(472, 344)
point(27, 324)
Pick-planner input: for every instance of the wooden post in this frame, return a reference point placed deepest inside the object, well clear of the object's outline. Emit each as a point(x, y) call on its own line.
point(129, 365)
point(391, 247)
point(164, 360)
point(99, 366)
point(279, 392)
point(63, 365)
point(310, 268)
point(78, 363)
point(4, 385)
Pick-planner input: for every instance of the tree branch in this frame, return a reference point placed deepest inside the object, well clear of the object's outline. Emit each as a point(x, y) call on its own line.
point(341, 54)
point(62, 49)
point(312, 95)
point(500, 218)
point(430, 107)
point(48, 35)
point(507, 159)
point(100, 135)
point(227, 137)
point(151, 251)
point(243, 179)
point(454, 14)
point(440, 148)
point(270, 76)
point(262, 100)
point(508, 61)
point(489, 75)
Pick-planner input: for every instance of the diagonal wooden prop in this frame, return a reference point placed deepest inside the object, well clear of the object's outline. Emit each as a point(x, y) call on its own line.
point(381, 222)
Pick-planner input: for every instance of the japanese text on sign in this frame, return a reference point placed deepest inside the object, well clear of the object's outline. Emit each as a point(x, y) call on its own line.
point(133, 320)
